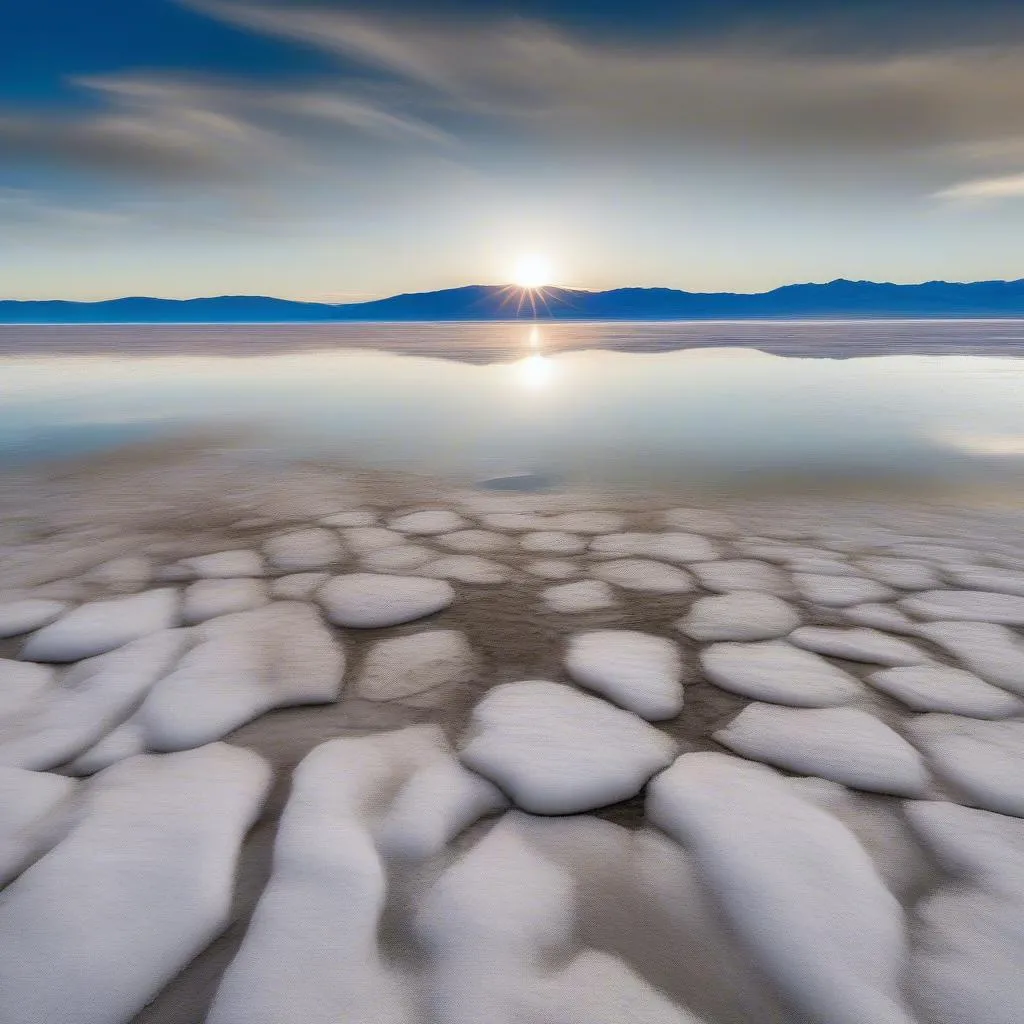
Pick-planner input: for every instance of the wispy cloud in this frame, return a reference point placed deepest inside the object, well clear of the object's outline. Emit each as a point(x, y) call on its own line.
point(1009, 186)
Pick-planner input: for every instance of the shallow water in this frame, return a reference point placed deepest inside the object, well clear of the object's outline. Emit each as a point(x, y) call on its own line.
point(560, 402)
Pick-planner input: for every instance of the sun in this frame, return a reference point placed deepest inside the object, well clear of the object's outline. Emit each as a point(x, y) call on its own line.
point(532, 271)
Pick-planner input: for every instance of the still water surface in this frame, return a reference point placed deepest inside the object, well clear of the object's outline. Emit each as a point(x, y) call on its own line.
point(514, 399)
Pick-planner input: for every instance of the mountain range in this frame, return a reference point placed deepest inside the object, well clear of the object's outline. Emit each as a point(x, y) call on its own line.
point(840, 299)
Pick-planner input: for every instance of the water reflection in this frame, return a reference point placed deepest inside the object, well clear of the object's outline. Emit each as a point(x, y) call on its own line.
point(608, 418)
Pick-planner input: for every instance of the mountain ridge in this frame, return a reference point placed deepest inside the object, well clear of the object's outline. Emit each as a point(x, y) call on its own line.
point(841, 299)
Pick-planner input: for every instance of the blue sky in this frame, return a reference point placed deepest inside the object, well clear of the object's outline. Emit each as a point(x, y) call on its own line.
point(342, 150)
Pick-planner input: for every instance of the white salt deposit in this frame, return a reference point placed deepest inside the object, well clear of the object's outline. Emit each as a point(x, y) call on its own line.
point(319, 917)
point(668, 547)
point(993, 652)
point(242, 666)
point(362, 540)
point(552, 568)
point(355, 518)
point(841, 744)
point(516, 522)
point(17, 617)
point(639, 672)
point(585, 596)
point(467, 569)
point(777, 671)
point(700, 520)
point(90, 700)
point(21, 683)
point(640, 574)
point(945, 689)
point(902, 573)
point(431, 521)
point(1006, 581)
point(420, 668)
point(126, 740)
point(862, 644)
point(886, 617)
point(297, 587)
point(122, 575)
point(440, 799)
point(794, 884)
point(369, 601)
point(101, 626)
point(226, 564)
point(304, 550)
point(475, 542)
point(743, 574)
point(553, 542)
point(29, 802)
point(557, 751)
point(400, 558)
point(984, 761)
point(108, 917)
point(967, 606)
point(206, 599)
point(739, 616)
point(840, 591)
point(821, 566)
point(587, 522)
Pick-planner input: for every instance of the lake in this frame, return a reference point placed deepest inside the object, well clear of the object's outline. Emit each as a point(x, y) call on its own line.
point(669, 406)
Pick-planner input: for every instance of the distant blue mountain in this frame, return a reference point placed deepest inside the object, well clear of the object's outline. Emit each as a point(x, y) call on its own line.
point(837, 299)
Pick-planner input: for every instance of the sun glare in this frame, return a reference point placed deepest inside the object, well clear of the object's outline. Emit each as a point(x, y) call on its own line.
point(532, 271)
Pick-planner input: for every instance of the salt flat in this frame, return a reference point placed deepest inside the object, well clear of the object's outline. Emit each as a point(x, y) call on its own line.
point(320, 744)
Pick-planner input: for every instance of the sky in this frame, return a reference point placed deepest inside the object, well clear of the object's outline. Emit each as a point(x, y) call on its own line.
point(339, 151)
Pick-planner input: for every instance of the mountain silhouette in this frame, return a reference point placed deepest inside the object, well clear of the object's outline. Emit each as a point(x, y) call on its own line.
point(840, 299)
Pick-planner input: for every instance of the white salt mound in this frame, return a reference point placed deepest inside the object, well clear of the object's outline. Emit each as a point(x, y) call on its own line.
point(666, 547)
point(21, 682)
point(777, 671)
point(794, 884)
point(743, 574)
point(29, 801)
point(993, 652)
point(363, 540)
point(984, 761)
point(304, 550)
point(423, 524)
point(557, 751)
point(967, 606)
point(101, 626)
point(976, 577)
point(467, 569)
point(421, 666)
point(867, 645)
point(739, 616)
point(206, 599)
point(902, 573)
point(587, 522)
point(585, 596)
point(553, 542)
point(475, 542)
point(369, 601)
point(90, 700)
point(122, 575)
point(297, 587)
point(400, 558)
point(945, 689)
point(355, 518)
point(226, 564)
point(640, 574)
point(640, 673)
point(886, 617)
point(142, 883)
point(841, 744)
point(840, 591)
point(17, 617)
point(126, 740)
point(319, 917)
point(242, 666)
